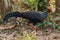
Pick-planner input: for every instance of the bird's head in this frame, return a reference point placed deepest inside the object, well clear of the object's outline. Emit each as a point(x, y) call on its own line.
point(51, 9)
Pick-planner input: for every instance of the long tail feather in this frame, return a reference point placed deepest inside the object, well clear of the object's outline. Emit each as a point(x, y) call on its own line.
point(12, 14)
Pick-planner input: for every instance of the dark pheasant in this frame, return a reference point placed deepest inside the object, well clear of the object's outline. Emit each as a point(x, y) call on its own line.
point(32, 16)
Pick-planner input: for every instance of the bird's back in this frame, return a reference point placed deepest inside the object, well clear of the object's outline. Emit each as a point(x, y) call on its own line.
point(34, 15)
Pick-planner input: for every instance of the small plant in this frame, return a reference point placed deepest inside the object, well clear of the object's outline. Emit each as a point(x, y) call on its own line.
point(42, 5)
point(28, 36)
point(33, 4)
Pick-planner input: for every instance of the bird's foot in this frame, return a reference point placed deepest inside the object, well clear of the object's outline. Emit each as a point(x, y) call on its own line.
point(33, 27)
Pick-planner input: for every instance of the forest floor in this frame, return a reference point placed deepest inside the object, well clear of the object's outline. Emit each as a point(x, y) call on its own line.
point(18, 33)
point(25, 32)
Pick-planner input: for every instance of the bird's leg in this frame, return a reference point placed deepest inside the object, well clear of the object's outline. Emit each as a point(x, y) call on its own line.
point(33, 26)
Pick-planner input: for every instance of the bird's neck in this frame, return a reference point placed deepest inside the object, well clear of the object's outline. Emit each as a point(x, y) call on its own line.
point(46, 13)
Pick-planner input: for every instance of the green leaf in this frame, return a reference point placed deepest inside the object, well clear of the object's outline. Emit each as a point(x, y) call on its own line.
point(58, 27)
point(47, 23)
point(57, 18)
point(38, 24)
point(41, 4)
point(45, 1)
point(54, 25)
point(32, 1)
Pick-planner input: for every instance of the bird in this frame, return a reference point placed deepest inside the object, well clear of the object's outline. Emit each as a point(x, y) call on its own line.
point(33, 16)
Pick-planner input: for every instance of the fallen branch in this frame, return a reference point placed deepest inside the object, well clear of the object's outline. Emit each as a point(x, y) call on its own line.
point(7, 26)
